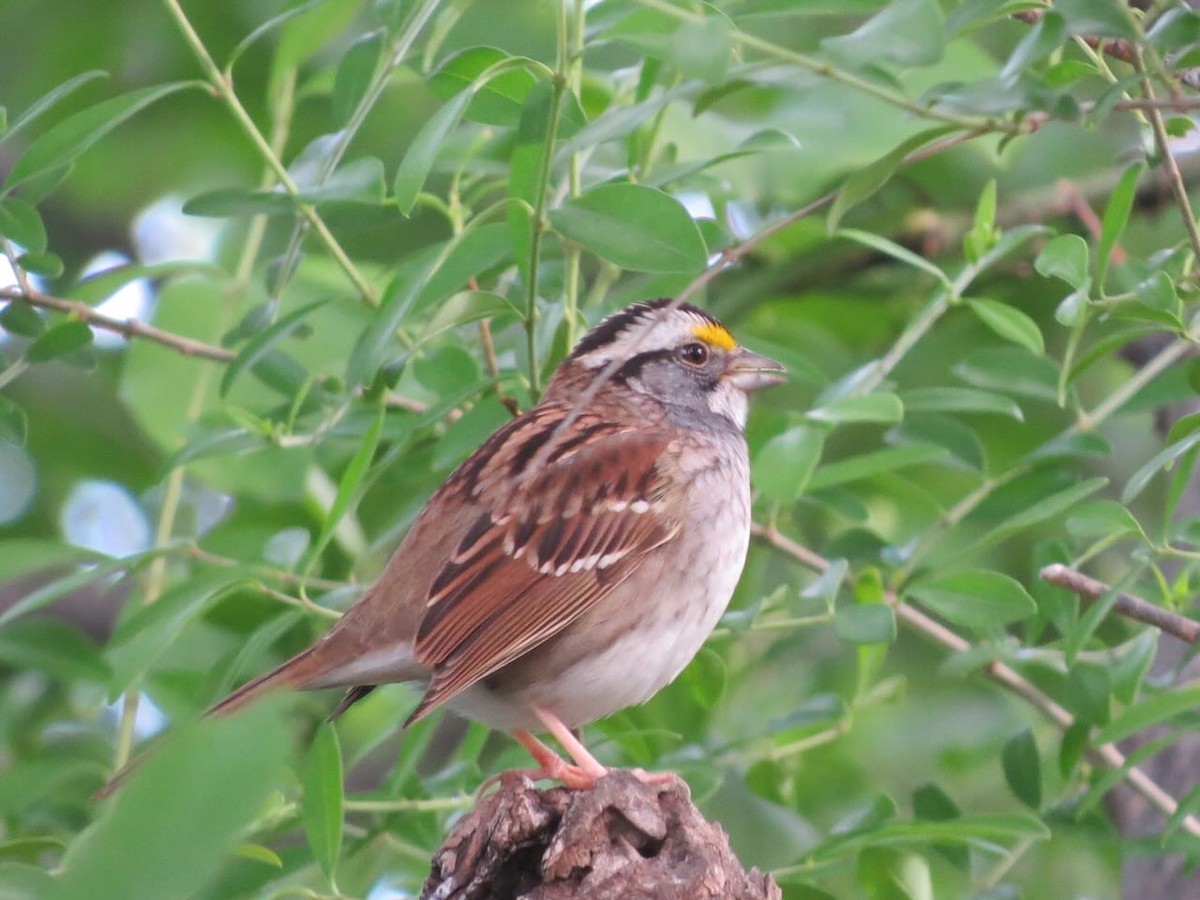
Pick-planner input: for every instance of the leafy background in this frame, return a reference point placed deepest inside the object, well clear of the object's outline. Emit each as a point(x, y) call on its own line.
point(354, 236)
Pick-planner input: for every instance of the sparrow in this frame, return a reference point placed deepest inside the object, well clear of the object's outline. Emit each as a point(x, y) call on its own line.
point(576, 562)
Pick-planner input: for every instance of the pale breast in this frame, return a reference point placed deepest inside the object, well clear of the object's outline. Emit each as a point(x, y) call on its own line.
point(646, 631)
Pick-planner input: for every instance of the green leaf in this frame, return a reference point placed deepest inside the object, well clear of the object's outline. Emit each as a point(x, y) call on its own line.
point(266, 28)
point(102, 285)
point(1162, 460)
point(355, 73)
point(1087, 693)
point(429, 278)
point(865, 623)
point(864, 182)
point(1010, 323)
point(358, 181)
point(1116, 215)
point(149, 632)
point(867, 465)
point(826, 585)
point(1097, 18)
point(25, 881)
point(1148, 713)
point(469, 255)
point(263, 342)
point(59, 341)
point(1044, 509)
point(19, 318)
point(880, 406)
point(983, 234)
point(702, 49)
point(1047, 35)
point(498, 101)
point(28, 850)
point(979, 830)
point(1131, 666)
point(933, 804)
point(347, 488)
point(69, 139)
point(1175, 29)
point(14, 424)
point(1075, 742)
point(321, 799)
point(904, 33)
point(52, 647)
point(785, 463)
point(21, 224)
point(960, 400)
point(974, 598)
point(227, 202)
point(304, 34)
point(49, 100)
point(1102, 519)
point(259, 853)
point(706, 677)
point(635, 227)
point(894, 250)
point(1065, 257)
point(423, 151)
point(1023, 768)
point(1188, 805)
point(47, 264)
point(1010, 370)
point(469, 306)
point(888, 873)
point(218, 773)
point(18, 557)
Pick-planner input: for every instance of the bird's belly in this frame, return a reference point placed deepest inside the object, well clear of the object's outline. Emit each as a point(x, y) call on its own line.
point(624, 650)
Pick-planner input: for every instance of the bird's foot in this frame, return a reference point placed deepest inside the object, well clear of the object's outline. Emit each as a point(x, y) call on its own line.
point(553, 767)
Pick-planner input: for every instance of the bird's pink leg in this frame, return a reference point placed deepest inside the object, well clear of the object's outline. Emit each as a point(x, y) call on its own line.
point(587, 763)
point(584, 760)
point(551, 765)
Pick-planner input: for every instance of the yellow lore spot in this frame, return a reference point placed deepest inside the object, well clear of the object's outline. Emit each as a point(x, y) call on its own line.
point(714, 336)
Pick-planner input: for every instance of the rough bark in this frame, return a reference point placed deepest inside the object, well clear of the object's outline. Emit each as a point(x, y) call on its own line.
point(621, 838)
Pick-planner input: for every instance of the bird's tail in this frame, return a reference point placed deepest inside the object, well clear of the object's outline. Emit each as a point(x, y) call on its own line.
point(297, 672)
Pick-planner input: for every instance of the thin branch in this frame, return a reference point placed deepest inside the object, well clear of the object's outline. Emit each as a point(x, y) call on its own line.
point(1128, 605)
point(129, 328)
point(1168, 158)
point(733, 255)
point(827, 70)
point(1105, 755)
point(223, 85)
point(1173, 104)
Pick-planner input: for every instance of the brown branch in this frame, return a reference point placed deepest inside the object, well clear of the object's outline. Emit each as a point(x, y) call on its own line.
point(133, 328)
point(1164, 150)
point(619, 838)
point(1173, 104)
point(735, 254)
point(1106, 755)
point(128, 328)
point(1128, 605)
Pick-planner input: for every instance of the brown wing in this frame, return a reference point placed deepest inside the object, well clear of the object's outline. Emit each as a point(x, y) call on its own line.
point(544, 554)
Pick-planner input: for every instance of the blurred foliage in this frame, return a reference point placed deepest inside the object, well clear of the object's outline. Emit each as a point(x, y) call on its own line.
point(385, 220)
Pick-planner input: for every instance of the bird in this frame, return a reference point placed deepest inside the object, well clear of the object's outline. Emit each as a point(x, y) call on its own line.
point(576, 562)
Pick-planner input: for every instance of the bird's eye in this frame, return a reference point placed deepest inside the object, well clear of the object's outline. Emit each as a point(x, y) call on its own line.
point(694, 354)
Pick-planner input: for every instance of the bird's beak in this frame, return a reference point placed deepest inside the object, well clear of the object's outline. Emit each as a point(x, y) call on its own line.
point(750, 371)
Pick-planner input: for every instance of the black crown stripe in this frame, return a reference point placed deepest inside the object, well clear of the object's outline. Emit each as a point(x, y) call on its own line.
point(611, 328)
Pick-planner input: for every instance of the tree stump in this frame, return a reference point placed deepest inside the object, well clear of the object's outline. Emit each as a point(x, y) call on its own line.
point(621, 838)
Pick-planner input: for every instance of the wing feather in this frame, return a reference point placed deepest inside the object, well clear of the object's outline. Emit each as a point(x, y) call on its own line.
point(554, 546)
